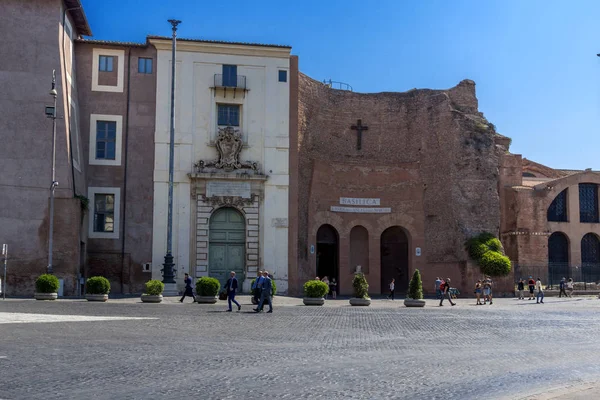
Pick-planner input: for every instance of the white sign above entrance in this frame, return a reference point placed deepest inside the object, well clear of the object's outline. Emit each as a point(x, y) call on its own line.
point(352, 201)
point(228, 188)
point(362, 210)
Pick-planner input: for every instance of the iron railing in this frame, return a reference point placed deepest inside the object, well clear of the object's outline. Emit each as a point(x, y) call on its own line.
point(585, 276)
point(237, 82)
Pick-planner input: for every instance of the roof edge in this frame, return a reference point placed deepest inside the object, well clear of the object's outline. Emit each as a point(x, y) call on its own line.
point(111, 43)
point(155, 37)
point(75, 9)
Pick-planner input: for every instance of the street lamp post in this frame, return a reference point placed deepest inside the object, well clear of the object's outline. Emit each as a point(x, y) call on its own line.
point(168, 270)
point(51, 113)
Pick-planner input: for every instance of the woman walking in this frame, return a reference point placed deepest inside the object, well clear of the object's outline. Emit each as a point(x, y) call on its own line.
point(392, 287)
point(570, 287)
point(478, 292)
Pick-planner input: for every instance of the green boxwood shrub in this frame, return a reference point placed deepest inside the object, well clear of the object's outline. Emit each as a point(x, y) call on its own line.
point(487, 251)
point(46, 283)
point(97, 285)
point(360, 286)
point(494, 263)
point(154, 287)
point(315, 288)
point(207, 286)
point(415, 287)
point(273, 285)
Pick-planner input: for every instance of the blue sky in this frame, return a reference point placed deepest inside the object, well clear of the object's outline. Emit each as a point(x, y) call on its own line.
point(534, 61)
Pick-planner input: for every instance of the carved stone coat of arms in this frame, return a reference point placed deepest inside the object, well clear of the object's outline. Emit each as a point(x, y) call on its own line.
point(229, 145)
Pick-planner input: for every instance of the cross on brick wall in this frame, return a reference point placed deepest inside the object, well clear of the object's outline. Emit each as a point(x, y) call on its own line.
point(359, 128)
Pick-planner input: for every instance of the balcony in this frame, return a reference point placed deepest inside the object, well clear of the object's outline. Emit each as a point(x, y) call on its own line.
point(233, 84)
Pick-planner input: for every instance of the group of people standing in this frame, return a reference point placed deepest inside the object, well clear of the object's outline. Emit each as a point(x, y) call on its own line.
point(332, 286)
point(483, 288)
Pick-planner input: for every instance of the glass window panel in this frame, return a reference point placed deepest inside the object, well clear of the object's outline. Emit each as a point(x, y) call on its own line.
point(110, 150)
point(148, 65)
point(141, 66)
point(109, 64)
point(100, 150)
point(282, 76)
point(102, 63)
point(588, 202)
point(230, 75)
point(557, 212)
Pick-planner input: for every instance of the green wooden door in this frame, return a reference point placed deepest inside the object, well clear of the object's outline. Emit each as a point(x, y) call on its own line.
point(227, 243)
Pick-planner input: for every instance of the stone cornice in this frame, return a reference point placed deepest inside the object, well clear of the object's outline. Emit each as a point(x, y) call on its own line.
point(223, 48)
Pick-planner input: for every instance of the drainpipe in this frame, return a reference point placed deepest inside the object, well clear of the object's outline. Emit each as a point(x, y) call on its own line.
point(125, 152)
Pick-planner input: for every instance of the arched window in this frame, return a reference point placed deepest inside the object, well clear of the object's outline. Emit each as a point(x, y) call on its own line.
point(588, 202)
point(557, 212)
point(528, 175)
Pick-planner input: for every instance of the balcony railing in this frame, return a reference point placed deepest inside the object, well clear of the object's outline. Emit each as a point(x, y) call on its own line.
point(234, 83)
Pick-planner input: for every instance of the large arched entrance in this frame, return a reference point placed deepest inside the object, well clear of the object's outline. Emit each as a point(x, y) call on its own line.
point(558, 257)
point(590, 257)
point(327, 253)
point(394, 259)
point(227, 242)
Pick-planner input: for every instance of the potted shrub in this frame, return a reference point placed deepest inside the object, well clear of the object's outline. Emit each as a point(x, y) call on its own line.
point(361, 291)
point(97, 288)
point(415, 291)
point(46, 287)
point(273, 285)
point(153, 291)
point(207, 289)
point(314, 293)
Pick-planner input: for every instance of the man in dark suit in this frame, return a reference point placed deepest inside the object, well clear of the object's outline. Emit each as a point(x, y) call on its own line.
point(188, 288)
point(231, 286)
point(265, 296)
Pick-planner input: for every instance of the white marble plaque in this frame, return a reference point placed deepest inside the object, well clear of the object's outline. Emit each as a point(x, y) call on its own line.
point(352, 201)
point(362, 210)
point(228, 188)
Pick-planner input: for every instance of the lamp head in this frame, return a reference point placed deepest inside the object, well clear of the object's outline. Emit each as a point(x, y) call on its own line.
point(53, 92)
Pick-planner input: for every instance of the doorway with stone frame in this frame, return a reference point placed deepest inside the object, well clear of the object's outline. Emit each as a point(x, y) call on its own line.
point(394, 259)
point(226, 244)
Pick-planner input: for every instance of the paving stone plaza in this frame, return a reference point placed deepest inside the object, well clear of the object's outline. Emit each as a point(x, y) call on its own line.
point(72, 349)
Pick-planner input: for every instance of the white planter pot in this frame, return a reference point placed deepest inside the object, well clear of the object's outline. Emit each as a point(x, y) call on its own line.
point(152, 298)
point(96, 297)
point(46, 296)
point(414, 303)
point(313, 301)
point(355, 301)
point(206, 299)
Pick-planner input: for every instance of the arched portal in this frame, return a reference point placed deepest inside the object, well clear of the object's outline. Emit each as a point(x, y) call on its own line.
point(394, 258)
point(558, 257)
point(590, 257)
point(327, 253)
point(227, 243)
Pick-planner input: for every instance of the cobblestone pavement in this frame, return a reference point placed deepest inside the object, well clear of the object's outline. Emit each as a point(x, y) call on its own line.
point(510, 350)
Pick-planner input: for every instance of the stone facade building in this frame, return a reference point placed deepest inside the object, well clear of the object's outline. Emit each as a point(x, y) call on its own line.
point(273, 170)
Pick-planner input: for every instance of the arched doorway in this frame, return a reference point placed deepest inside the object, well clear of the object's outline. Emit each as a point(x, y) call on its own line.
point(327, 253)
point(227, 242)
point(558, 257)
point(590, 257)
point(394, 259)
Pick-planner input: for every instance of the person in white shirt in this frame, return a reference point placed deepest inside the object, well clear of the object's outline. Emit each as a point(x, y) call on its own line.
point(392, 287)
point(570, 287)
point(325, 280)
point(540, 291)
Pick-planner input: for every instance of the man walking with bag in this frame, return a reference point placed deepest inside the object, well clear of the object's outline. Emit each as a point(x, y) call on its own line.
point(445, 289)
point(188, 288)
point(265, 296)
point(231, 286)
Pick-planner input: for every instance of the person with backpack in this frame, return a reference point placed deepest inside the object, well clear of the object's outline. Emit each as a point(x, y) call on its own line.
point(531, 284)
point(445, 290)
point(561, 286)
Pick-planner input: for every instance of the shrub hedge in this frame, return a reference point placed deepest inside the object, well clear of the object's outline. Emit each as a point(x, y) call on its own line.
point(360, 286)
point(487, 251)
point(97, 285)
point(207, 286)
point(315, 289)
point(46, 283)
point(154, 287)
point(415, 287)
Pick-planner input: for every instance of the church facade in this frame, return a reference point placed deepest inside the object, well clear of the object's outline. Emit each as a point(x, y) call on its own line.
point(273, 171)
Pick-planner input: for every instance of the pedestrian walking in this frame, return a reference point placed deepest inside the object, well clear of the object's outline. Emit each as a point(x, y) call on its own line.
point(333, 288)
point(478, 291)
point(265, 295)
point(445, 290)
point(438, 292)
point(570, 287)
point(561, 286)
point(325, 280)
point(540, 291)
point(487, 290)
point(521, 289)
point(188, 288)
point(256, 287)
point(531, 284)
point(231, 286)
point(392, 287)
